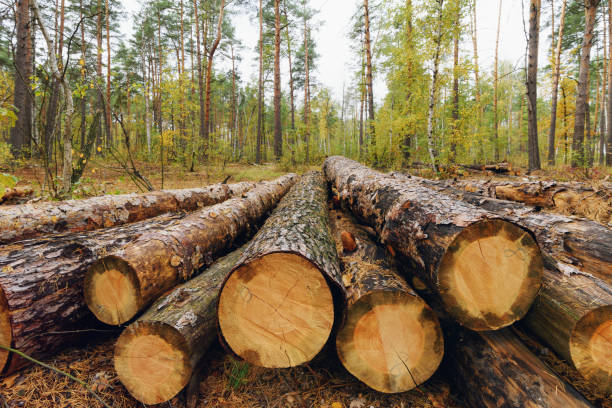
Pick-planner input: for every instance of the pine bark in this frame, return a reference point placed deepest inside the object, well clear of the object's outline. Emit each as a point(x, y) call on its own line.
point(433, 154)
point(433, 230)
point(278, 131)
point(126, 281)
point(532, 85)
point(259, 141)
point(555, 88)
point(32, 220)
point(199, 65)
point(496, 84)
point(369, 80)
point(185, 321)
point(281, 284)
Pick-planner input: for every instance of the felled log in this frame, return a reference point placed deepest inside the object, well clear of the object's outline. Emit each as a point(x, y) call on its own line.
point(568, 198)
point(42, 308)
point(13, 194)
point(32, 220)
point(391, 339)
point(495, 369)
point(276, 308)
point(495, 168)
point(573, 316)
point(121, 284)
point(587, 245)
point(486, 270)
point(156, 356)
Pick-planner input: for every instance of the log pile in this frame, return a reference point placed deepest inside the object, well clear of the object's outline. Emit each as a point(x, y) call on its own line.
point(434, 271)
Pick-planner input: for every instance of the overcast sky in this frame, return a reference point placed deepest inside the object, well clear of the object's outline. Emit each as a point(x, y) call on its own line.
point(334, 67)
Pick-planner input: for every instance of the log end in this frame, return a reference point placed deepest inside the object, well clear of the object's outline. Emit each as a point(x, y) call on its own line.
point(591, 347)
point(276, 311)
point(152, 362)
point(490, 274)
point(6, 333)
point(391, 341)
point(112, 292)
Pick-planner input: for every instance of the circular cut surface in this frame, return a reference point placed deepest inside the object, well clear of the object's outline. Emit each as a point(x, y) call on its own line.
point(591, 347)
point(391, 341)
point(6, 334)
point(151, 363)
point(276, 311)
point(490, 274)
point(111, 291)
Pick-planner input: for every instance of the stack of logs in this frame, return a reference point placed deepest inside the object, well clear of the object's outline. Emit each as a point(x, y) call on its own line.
point(403, 276)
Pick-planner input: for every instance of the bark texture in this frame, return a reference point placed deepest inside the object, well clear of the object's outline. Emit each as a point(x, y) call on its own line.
point(494, 369)
point(382, 306)
point(121, 284)
point(185, 321)
point(532, 85)
point(33, 220)
point(432, 230)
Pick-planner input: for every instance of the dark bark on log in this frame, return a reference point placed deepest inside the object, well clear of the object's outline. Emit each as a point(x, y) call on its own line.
point(451, 245)
point(42, 308)
point(276, 308)
point(119, 285)
point(33, 220)
point(495, 168)
point(495, 369)
point(391, 340)
point(184, 325)
point(584, 244)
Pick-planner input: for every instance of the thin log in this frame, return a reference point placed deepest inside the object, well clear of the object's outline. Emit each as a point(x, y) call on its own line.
point(495, 168)
point(276, 309)
point(121, 284)
point(32, 220)
point(391, 340)
point(156, 356)
point(485, 269)
point(14, 194)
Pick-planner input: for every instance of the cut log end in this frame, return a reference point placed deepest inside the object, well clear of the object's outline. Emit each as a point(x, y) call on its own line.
point(591, 347)
point(490, 274)
point(151, 361)
point(391, 342)
point(276, 311)
point(6, 334)
point(111, 291)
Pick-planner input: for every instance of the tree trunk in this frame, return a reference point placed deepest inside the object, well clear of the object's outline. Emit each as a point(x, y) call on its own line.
point(22, 99)
point(446, 240)
point(108, 120)
point(496, 84)
point(183, 324)
point(455, 113)
point(573, 315)
point(306, 91)
point(369, 81)
point(200, 78)
point(532, 85)
point(276, 308)
point(555, 88)
point(160, 260)
point(408, 345)
point(609, 104)
point(278, 131)
point(578, 153)
point(409, 76)
point(433, 155)
point(33, 220)
point(477, 82)
point(290, 66)
point(259, 141)
point(494, 369)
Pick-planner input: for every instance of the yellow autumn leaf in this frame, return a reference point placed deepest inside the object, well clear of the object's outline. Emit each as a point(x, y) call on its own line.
point(99, 148)
point(337, 405)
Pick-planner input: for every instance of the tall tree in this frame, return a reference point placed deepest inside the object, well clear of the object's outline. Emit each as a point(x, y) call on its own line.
point(532, 91)
point(278, 131)
point(474, 29)
point(578, 154)
point(410, 71)
point(291, 93)
point(108, 75)
point(306, 88)
point(496, 84)
point(455, 113)
point(439, 33)
point(199, 64)
point(609, 130)
point(259, 141)
point(369, 86)
point(555, 88)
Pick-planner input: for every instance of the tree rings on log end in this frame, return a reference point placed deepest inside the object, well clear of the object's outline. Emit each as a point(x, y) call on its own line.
point(591, 347)
point(391, 341)
point(276, 311)
point(112, 291)
point(490, 275)
point(6, 333)
point(151, 361)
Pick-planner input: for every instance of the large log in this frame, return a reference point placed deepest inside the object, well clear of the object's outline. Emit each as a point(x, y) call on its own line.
point(156, 356)
point(584, 244)
point(121, 284)
point(20, 222)
point(42, 308)
point(486, 270)
point(495, 168)
point(495, 369)
point(276, 308)
point(391, 339)
point(573, 315)
point(569, 198)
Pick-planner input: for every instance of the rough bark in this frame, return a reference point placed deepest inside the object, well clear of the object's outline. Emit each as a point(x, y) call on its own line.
point(573, 315)
point(184, 325)
point(276, 308)
point(200, 77)
point(306, 90)
point(124, 282)
point(32, 220)
point(433, 154)
point(609, 103)
point(259, 141)
point(496, 84)
point(278, 131)
point(494, 168)
point(369, 80)
point(447, 243)
point(494, 369)
point(532, 85)
point(382, 306)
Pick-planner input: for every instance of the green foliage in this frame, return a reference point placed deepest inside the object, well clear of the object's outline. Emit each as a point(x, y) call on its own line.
point(237, 374)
